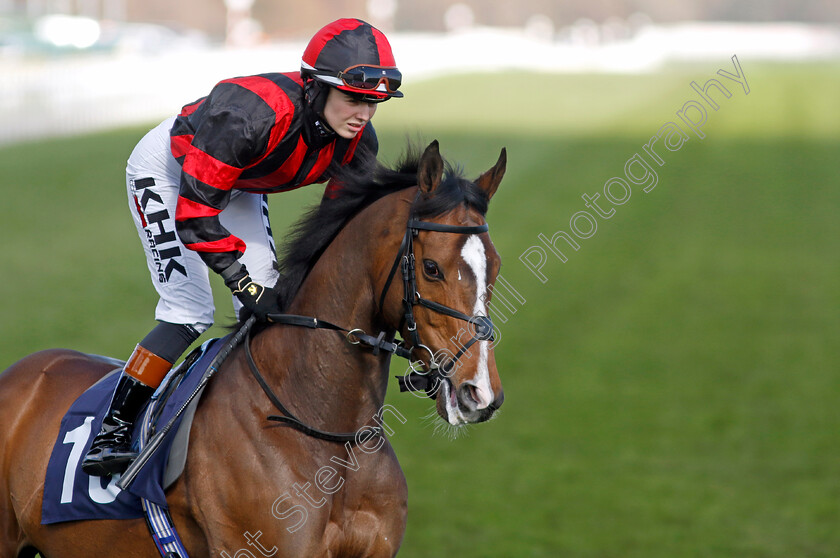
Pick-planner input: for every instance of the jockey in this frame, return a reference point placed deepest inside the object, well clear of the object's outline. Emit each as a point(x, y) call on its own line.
point(196, 189)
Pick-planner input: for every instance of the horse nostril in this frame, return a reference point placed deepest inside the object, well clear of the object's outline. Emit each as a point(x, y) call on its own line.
point(475, 397)
point(470, 396)
point(472, 392)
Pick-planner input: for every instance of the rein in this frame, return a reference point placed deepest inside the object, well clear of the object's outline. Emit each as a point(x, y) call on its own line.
point(291, 419)
point(418, 380)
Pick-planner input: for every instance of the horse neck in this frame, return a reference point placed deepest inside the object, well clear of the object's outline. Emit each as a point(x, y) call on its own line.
point(324, 379)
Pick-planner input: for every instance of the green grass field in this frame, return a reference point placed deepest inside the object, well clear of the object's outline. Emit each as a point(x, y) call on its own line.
point(671, 389)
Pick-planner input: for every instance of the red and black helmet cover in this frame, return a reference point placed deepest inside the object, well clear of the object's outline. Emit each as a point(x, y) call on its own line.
point(343, 44)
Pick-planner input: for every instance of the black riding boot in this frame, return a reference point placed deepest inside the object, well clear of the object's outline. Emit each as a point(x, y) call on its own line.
point(111, 451)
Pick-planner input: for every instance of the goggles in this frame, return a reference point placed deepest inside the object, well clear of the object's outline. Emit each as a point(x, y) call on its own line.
point(369, 78)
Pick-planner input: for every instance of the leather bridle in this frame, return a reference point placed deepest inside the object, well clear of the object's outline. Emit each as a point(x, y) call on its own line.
point(424, 376)
point(481, 326)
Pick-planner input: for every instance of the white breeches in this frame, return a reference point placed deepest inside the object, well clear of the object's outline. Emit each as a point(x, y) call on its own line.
point(179, 275)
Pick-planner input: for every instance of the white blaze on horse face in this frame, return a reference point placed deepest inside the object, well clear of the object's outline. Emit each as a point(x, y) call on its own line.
point(476, 259)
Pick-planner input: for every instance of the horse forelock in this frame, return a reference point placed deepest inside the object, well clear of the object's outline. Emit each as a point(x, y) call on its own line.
point(454, 191)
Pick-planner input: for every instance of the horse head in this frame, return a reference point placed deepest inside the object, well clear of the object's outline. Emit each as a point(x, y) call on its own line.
point(449, 266)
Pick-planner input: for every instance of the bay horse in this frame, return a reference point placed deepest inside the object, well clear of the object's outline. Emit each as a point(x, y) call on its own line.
point(252, 487)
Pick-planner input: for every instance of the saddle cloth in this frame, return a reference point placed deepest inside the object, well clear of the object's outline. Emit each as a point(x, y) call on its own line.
point(70, 494)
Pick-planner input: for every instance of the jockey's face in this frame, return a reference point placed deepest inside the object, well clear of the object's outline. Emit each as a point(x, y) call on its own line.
point(346, 115)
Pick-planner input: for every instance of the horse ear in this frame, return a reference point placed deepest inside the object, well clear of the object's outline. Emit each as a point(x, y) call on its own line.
point(430, 170)
point(490, 180)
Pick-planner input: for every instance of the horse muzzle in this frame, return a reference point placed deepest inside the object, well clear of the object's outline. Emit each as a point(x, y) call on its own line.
point(467, 403)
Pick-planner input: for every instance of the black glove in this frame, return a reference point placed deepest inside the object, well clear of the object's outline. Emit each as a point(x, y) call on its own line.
point(261, 301)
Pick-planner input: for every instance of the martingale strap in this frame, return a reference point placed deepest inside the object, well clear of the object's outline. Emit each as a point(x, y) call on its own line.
point(288, 417)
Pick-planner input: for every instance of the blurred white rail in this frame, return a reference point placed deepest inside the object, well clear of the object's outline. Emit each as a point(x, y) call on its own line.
point(67, 95)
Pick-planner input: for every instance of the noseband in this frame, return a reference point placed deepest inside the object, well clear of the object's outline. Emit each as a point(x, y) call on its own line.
point(423, 377)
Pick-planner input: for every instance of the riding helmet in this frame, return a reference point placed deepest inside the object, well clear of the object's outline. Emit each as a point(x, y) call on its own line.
point(355, 57)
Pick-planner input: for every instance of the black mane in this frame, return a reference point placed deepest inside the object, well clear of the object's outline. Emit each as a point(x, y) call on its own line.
point(311, 235)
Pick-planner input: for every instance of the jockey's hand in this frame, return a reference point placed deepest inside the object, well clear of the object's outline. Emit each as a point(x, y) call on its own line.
point(260, 300)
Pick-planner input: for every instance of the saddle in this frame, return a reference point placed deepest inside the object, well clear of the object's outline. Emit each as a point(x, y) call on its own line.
point(70, 494)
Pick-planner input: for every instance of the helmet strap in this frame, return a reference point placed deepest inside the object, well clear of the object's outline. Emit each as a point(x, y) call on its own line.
point(316, 94)
point(324, 129)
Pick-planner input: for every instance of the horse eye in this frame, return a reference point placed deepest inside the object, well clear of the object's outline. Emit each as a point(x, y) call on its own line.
point(432, 270)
